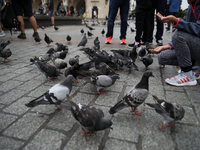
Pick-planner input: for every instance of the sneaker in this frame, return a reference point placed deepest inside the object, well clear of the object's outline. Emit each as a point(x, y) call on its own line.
point(35, 34)
point(182, 79)
point(159, 43)
point(123, 41)
point(197, 74)
point(132, 45)
point(108, 40)
point(168, 31)
point(22, 36)
point(2, 34)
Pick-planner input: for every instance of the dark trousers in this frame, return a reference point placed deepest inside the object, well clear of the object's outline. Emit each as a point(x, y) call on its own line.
point(142, 24)
point(159, 6)
point(169, 23)
point(114, 5)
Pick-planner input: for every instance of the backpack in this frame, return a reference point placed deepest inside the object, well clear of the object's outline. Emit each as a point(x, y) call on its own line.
point(8, 18)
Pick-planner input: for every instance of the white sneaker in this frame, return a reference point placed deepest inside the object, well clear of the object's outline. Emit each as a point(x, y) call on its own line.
point(182, 79)
point(2, 34)
point(197, 73)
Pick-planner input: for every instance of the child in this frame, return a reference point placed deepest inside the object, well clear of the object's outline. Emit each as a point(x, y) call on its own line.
point(183, 51)
point(143, 7)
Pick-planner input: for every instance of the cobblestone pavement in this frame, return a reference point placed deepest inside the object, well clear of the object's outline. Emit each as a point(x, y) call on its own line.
point(44, 127)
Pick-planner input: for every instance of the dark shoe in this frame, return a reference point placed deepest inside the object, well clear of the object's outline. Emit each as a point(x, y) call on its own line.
point(35, 34)
point(22, 36)
point(159, 42)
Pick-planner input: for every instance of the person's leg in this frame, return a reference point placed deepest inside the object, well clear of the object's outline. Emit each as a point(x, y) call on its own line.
point(113, 9)
point(33, 23)
point(140, 14)
point(21, 20)
point(124, 8)
point(146, 26)
point(52, 20)
point(151, 27)
point(168, 57)
point(160, 7)
point(187, 49)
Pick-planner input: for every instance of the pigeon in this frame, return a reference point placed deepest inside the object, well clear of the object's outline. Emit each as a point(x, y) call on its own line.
point(71, 70)
point(135, 97)
point(55, 95)
point(37, 39)
point(56, 28)
point(170, 111)
point(5, 53)
point(83, 41)
point(59, 46)
point(128, 62)
point(59, 63)
point(89, 34)
point(47, 56)
point(68, 38)
point(97, 43)
point(90, 28)
point(132, 30)
point(48, 40)
point(142, 52)
point(103, 81)
point(61, 55)
point(74, 60)
point(147, 61)
point(89, 118)
point(82, 31)
point(103, 32)
point(47, 70)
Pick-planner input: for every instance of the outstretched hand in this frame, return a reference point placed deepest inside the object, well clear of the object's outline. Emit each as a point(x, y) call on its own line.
point(169, 18)
point(158, 49)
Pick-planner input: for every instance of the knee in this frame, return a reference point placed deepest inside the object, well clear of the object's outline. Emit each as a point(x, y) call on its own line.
point(161, 59)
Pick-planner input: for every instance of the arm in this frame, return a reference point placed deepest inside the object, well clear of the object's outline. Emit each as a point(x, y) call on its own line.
point(158, 49)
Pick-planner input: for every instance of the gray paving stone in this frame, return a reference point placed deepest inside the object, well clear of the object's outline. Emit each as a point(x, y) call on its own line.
point(193, 96)
point(46, 109)
point(1, 106)
point(11, 96)
point(197, 108)
point(177, 97)
point(9, 144)
point(26, 76)
point(107, 99)
point(8, 76)
point(89, 88)
point(119, 145)
point(25, 126)
point(46, 140)
point(63, 120)
point(6, 86)
point(117, 87)
point(29, 85)
point(78, 141)
point(23, 70)
point(187, 137)
point(18, 107)
point(125, 127)
point(189, 116)
point(83, 98)
point(39, 91)
point(5, 120)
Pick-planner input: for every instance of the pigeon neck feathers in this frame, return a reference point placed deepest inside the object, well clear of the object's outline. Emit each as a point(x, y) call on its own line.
point(144, 83)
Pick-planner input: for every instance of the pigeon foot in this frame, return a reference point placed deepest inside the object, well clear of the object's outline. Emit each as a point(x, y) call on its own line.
point(170, 125)
point(85, 133)
point(161, 127)
point(59, 108)
point(135, 112)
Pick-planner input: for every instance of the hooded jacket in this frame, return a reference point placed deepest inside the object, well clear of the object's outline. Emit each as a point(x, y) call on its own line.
point(192, 23)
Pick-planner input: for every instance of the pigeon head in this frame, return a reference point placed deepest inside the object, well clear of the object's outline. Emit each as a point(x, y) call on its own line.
point(51, 51)
point(148, 74)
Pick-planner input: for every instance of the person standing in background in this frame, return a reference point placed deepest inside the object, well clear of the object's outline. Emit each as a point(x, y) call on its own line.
point(159, 6)
point(2, 34)
point(114, 5)
point(71, 8)
point(173, 9)
point(143, 7)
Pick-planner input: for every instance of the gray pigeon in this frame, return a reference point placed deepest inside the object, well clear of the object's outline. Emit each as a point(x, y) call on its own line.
point(103, 32)
point(59, 63)
point(47, 56)
point(74, 60)
point(89, 118)
point(47, 70)
point(60, 54)
point(47, 39)
point(142, 52)
point(83, 41)
point(135, 97)
point(147, 61)
point(170, 111)
point(97, 43)
point(82, 31)
point(89, 34)
point(55, 95)
point(68, 38)
point(5, 53)
point(103, 81)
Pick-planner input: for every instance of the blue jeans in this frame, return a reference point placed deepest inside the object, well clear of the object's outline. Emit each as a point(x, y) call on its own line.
point(169, 23)
point(159, 6)
point(113, 9)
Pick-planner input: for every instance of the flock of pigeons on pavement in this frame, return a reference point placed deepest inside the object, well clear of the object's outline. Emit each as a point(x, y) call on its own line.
point(99, 71)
